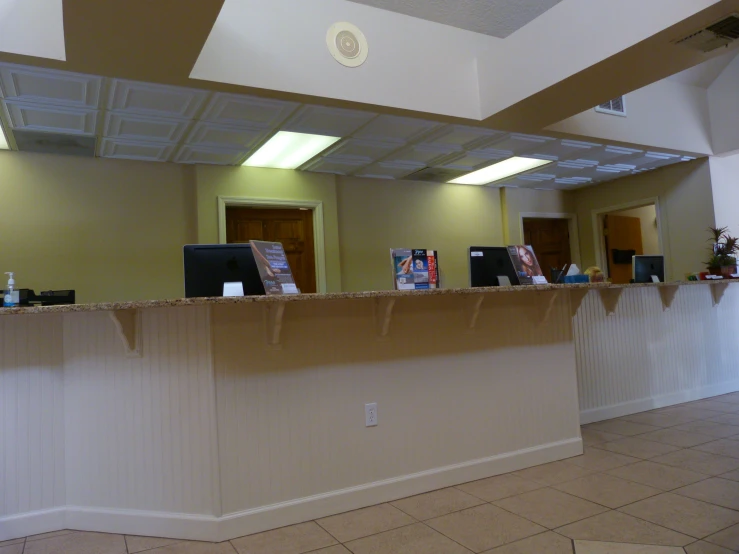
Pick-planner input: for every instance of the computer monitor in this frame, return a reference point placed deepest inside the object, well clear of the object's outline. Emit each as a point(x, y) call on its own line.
point(488, 263)
point(209, 266)
point(644, 267)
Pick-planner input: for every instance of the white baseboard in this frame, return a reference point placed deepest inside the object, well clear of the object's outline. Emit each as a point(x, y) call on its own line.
point(210, 528)
point(652, 403)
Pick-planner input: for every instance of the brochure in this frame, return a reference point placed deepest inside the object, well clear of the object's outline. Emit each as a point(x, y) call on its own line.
point(415, 269)
point(526, 266)
point(274, 268)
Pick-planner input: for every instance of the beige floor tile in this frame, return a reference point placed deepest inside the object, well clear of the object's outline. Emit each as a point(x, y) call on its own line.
point(135, 543)
point(591, 437)
point(195, 547)
point(715, 406)
point(658, 419)
point(732, 475)
point(550, 508)
point(336, 549)
point(51, 534)
point(78, 543)
point(702, 462)
point(682, 439)
point(553, 473)
point(685, 515)
point(595, 459)
point(657, 475)
point(545, 543)
point(722, 447)
point(685, 411)
point(710, 428)
point(498, 487)
point(607, 490)
point(728, 538)
point(484, 527)
point(16, 548)
point(728, 419)
point(436, 503)
point(702, 547)
point(592, 547)
point(13, 541)
point(617, 527)
point(716, 491)
point(637, 447)
point(367, 521)
point(732, 398)
point(412, 539)
point(620, 427)
point(295, 539)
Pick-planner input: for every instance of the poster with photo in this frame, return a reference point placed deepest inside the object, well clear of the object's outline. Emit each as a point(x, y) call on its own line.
point(414, 269)
point(527, 267)
point(274, 268)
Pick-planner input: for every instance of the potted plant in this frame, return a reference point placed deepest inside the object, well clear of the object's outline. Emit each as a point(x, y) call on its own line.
point(724, 251)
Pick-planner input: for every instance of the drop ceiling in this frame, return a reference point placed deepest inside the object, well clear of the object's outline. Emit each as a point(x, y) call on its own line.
point(143, 121)
point(497, 18)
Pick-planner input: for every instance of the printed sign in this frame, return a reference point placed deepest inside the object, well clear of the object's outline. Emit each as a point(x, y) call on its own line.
point(526, 266)
point(415, 269)
point(274, 268)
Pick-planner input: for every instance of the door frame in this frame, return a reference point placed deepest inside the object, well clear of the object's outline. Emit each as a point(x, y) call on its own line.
point(599, 240)
point(572, 225)
point(316, 206)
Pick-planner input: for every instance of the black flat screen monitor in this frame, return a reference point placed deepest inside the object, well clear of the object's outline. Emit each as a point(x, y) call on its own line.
point(209, 266)
point(646, 266)
point(487, 263)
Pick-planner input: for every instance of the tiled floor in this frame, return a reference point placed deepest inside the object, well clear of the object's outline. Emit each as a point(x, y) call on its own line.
point(660, 482)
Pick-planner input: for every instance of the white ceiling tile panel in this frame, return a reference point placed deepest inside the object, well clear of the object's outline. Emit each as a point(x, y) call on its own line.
point(334, 165)
point(423, 154)
point(610, 154)
point(205, 133)
point(366, 150)
point(189, 154)
point(471, 161)
point(41, 117)
point(384, 170)
point(249, 111)
point(399, 129)
point(136, 128)
point(59, 88)
point(156, 100)
point(463, 137)
point(516, 144)
point(563, 149)
point(321, 120)
point(128, 150)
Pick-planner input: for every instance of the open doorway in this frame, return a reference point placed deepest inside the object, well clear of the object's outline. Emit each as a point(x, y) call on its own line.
point(626, 232)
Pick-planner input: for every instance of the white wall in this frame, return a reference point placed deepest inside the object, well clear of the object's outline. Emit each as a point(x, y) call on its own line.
point(722, 98)
point(725, 185)
point(665, 114)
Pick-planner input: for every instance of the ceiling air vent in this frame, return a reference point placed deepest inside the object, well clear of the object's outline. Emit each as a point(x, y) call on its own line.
point(617, 106)
point(53, 143)
point(720, 34)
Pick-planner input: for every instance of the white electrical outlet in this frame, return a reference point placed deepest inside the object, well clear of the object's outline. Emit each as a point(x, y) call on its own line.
point(370, 414)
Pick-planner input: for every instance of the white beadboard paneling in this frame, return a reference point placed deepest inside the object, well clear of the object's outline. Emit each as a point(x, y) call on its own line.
point(31, 414)
point(295, 417)
point(643, 357)
point(140, 431)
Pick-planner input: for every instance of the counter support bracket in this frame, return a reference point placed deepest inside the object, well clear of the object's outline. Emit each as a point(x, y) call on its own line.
point(667, 294)
point(383, 315)
point(128, 327)
point(546, 307)
point(577, 295)
point(273, 316)
point(717, 291)
point(473, 303)
point(610, 297)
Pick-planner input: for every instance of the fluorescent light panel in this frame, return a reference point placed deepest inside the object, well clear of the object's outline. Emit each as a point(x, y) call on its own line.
point(500, 170)
point(288, 150)
point(3, 141)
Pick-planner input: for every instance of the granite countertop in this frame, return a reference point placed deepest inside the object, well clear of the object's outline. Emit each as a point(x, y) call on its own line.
point(144, 304)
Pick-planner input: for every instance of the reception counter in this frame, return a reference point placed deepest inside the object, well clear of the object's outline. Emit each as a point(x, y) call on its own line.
point(214, 418)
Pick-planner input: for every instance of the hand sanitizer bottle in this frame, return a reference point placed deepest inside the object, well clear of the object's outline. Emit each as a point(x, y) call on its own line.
point(10, 299)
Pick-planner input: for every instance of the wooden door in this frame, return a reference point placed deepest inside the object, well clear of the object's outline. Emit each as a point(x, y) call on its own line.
point(623, 234)
point(291, 227)
point(550, 239)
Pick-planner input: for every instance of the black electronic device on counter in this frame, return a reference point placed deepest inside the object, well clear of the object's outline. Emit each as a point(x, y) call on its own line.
point(648, 269)
point(487, 263)
point(27, 297)
point(209, 266)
